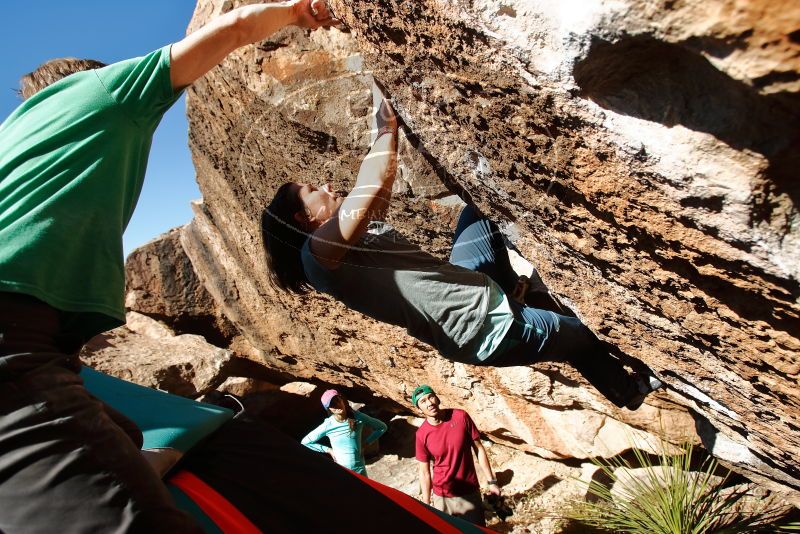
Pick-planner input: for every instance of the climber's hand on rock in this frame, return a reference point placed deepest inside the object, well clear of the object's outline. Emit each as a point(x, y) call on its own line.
point(385, 116)
point(313, 14)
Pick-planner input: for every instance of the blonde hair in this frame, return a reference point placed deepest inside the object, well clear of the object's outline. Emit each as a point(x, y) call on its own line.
point(51, 71)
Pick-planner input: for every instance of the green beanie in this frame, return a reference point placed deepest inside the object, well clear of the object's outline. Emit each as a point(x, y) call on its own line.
point(420, 392)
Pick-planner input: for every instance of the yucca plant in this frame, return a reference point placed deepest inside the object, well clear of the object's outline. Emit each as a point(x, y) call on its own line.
point(672, 497)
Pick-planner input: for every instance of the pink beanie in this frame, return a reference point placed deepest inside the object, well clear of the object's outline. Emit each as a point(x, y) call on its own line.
point(328, 396)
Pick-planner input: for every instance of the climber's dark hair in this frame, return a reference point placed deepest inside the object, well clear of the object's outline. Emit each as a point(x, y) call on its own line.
point(283, 240)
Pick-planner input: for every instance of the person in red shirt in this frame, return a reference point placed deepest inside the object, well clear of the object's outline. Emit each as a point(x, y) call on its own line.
point(447, 438)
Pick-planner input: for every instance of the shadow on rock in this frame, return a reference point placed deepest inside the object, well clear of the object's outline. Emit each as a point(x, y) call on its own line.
point(399, 439)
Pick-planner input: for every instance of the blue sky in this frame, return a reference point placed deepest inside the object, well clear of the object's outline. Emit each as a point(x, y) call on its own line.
point(34, 31)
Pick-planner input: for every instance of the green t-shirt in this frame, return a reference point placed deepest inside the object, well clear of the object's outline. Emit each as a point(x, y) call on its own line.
point(72, 162)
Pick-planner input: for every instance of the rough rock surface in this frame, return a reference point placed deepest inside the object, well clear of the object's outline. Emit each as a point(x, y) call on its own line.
point(641, 154)
point(161, 283)
point(148, 353)
point(648, 152)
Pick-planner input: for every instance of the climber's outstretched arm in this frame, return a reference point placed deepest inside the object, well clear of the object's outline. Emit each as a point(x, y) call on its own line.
point(204, 49)
point(370, 196)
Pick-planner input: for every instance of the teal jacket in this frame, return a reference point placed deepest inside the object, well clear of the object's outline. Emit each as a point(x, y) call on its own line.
point(345, 445)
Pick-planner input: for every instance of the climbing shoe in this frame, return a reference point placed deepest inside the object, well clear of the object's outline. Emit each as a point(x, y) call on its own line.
point(645, 384)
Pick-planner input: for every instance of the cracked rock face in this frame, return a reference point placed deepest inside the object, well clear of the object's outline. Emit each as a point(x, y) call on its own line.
point(642, 155)
point(648, 152)
point(150, 354)
point(161, 282)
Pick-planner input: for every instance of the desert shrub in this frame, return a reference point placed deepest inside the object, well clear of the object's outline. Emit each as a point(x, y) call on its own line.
point(672, 495)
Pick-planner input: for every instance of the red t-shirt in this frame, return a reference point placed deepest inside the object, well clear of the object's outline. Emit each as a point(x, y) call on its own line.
point(449, 445)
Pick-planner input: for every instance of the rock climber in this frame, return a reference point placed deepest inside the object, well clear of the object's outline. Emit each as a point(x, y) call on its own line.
point(316, 238)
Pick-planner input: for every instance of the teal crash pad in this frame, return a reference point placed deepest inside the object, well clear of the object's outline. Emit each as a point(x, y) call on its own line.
point(166, 420)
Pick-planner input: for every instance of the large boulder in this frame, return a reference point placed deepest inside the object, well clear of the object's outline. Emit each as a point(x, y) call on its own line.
point(641, 155)
point(648, 153)
point(150, 354)
point(161, 282)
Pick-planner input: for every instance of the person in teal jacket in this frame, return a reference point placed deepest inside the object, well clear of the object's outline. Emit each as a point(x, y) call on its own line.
point(343, 428)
